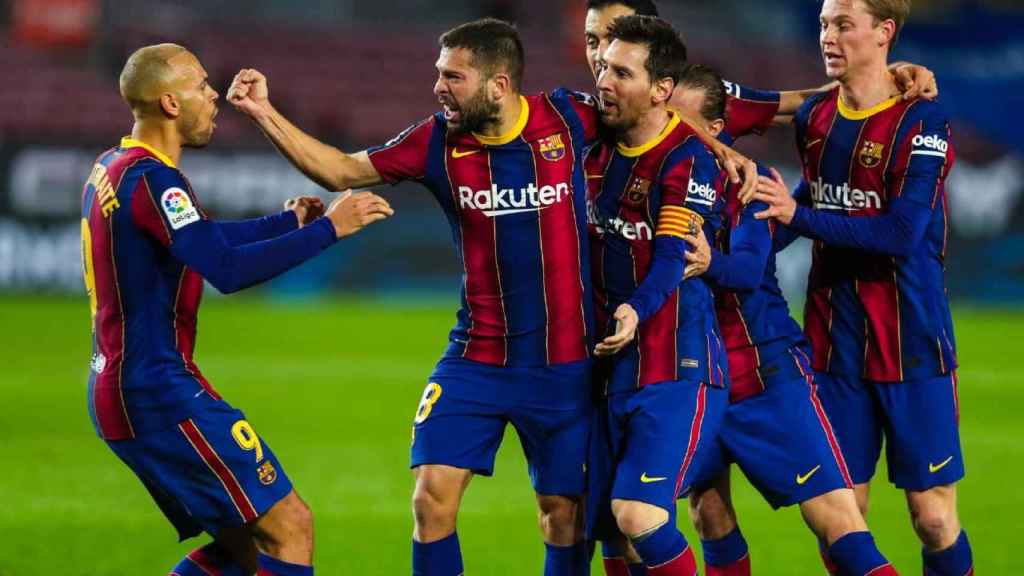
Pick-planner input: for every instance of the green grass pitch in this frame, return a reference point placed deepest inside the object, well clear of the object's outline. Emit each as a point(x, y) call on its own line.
point(333, 385)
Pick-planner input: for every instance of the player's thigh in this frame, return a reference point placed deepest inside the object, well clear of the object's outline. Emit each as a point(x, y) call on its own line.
point(215, 466)
point(854, 415)
point(785, 444)
point(452, 429)
point(922, 432)
point(554, 419)
point(669, 427)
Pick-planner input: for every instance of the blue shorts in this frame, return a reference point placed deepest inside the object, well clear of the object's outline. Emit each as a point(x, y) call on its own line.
point(648, 446)
point(464, 409)
point(920, 420)
point(209, 472)
point(783, 443)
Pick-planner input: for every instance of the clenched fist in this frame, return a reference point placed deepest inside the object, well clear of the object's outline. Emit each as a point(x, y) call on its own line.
point(249, 93)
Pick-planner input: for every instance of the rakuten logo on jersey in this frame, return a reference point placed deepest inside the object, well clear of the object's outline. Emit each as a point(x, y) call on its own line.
point(829, 197)
point(930, 145)
point(701, 193)
point(618, 226)
point(501, 201)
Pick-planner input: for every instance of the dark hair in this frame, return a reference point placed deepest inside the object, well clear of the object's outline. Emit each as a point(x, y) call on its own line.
point(701, 77)
point(641, 7)
point(666, 52)
point(495, 45)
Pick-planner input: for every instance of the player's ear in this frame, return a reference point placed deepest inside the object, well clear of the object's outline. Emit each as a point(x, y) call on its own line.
point(170, 105)
point(886, 31)
point(661, 91)
point(716, 127)
point(499, 85)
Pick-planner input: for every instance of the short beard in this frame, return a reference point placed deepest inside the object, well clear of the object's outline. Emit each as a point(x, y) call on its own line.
point(477, 112)
point(192, 137)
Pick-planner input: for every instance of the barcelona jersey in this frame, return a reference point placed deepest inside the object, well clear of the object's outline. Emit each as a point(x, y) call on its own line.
point(880, 314)
point(516, 204)
point(642, 200)
point(144, 302)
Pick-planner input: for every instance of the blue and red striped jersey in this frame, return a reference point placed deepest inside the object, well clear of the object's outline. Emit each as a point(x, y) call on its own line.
point(641, 201)
point(748, 111)
point(146, 248)
point(144, 302)
point(759, 334)
point(876, 307)
point(517, 208)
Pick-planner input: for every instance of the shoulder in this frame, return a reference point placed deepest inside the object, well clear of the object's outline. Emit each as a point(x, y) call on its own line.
point(812, 103)
point(573, 96)
point(928, 111)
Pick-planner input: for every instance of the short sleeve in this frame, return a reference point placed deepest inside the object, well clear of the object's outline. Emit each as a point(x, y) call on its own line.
point(586, 109)
point(164, 204)
point(748, 110)
point(404, 157)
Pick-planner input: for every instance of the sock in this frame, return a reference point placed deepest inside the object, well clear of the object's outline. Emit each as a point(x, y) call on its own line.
point(270, 566)
point(441, 558)
point(209, 559)
point(727, 556)
point(666, 552)
point(953, 561)
point(830, 566)
point(565, 560)
point(857, 555)
point(615, 562)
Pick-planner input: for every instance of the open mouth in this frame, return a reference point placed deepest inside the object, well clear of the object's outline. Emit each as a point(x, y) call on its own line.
point(451, 113)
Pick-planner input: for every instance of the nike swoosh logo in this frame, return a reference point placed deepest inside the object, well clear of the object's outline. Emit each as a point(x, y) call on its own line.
point(644, 478)
point(457, 154)
point(933, 468)
point(801, 480)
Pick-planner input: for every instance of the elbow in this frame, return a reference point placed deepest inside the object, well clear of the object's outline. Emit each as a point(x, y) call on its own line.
point(224, 284)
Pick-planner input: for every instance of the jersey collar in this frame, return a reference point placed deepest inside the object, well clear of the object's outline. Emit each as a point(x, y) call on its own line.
point(129, 142)
point(517, 129)
point(634, 151)
point(851, 114)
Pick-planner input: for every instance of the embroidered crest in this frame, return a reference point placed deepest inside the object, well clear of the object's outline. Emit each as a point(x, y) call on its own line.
point(552, 148)
point(870, 154)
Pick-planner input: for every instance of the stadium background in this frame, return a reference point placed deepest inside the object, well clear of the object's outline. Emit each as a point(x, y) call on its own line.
point(329, 360)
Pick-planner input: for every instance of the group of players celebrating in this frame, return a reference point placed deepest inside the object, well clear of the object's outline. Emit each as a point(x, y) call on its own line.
point(619, 305)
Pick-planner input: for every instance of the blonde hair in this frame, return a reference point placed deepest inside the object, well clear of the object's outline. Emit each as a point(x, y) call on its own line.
point(895, 10)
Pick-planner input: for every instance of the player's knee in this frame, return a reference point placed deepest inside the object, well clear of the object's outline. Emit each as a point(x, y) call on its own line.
point(432, 507)
point(558, 517)
point(635, 518)
point(289, 524)
point(711, 516)
point(935, 519)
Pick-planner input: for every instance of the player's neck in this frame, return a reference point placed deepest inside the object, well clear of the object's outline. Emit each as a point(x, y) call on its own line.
point(867, 88)
point(510, 114)
point(161, 137)
point(651, 124)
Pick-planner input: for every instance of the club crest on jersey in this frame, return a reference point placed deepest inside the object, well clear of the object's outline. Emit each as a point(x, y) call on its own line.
point(638, 190)
point(870, 154)
point(178, 208)
point(552, 148)
point(266, 473)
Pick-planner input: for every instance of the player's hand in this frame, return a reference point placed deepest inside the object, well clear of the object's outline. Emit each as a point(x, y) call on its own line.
point(915, 81)
point(626, 321)
point(773, 192)
point(740, 169)
point(353, 211)
point(698, 259)
point(306, 208)
point(249, 93)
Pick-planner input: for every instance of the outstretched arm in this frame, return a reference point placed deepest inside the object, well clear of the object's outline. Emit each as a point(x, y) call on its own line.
point(324, 164)
point(913, 80)
point(298, 212)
